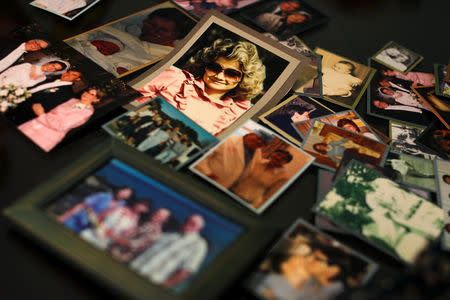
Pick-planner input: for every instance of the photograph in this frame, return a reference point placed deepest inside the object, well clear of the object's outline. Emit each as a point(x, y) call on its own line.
point(253, 166)
point(404, 140)
point(390, 96)
point(49, 91)
point(310, 81)
point(442, 86)
point(436, 138)
point(136, 41)
point(343, 81)
point(308, 264)
point(161, 131)
point(293, 109)
point(68, 9)
point(397, 57)
point(439, 105)
point(218, 76)
point(380, 212)
point(442, 169)
point(284, 18)
point(348, 120)
point(198, 8)
point(412, 170)
point(328, 144)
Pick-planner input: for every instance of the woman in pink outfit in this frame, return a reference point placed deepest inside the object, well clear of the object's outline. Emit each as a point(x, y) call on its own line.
point(50, 128)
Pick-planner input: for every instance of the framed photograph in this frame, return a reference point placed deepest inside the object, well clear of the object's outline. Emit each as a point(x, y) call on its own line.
point(403, 140)
point(253, 166)
point(348, 120)
point(343, 81)
point(293, 109)
point(68, 9)
point(66, 94)
point(442, 86)
point(442, 169)
point(130, 43)
point(284, 18)
point(397, 57)
point(310, 81)
point(306, 263)
point(390, 96)
point(381, 213)
point(198, 8)
point(222, 74)
point(328, 144)
point(440, 106)
point(161, 131)
point(110, 215)
point(436, 138)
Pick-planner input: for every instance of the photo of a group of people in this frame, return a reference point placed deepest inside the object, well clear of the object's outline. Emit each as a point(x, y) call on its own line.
point(160, 234)
point(68, 9)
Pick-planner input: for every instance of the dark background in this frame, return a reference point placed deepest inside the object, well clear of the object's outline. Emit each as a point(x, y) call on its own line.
point(356, 29)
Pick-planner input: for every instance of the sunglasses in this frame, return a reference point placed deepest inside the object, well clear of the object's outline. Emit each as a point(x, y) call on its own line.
point(229, 73)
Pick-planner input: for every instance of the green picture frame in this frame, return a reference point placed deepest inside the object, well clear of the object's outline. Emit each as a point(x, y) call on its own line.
point(28, 215)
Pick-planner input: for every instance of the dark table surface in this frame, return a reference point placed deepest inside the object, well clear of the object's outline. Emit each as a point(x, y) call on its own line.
point(356, 29)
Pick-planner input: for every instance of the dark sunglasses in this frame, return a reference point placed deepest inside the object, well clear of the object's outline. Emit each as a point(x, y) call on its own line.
point(229, 73)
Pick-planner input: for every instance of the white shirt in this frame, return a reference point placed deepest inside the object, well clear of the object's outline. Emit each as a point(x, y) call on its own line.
point(11, 58)
point(391, 62)
point(19, 75)
point(338, 84)
point(61, 6)
point(408, 99)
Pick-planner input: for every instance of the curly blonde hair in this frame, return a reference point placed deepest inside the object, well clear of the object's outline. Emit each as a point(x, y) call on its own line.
point(254, 71)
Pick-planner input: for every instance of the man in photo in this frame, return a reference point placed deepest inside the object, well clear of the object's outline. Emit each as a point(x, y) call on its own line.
point(29, 46)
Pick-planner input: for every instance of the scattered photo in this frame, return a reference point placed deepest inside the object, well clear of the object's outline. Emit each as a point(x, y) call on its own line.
point(391, 96)
point(50, 91)
point(198, 8)
point(343, 81)
point(403, 140)
point(222, 74)
point(440, 106)
point(307, 264)
point(293, 109)
point(436, 138)
point(379, 211)
point(285, 18)
point(328, 144)
point(442, 86)
point(442, 168)
point(253, 165)
point(161, 131)
point(397, 57)
point(144, 224)
point(136, 41)
point(68, 9)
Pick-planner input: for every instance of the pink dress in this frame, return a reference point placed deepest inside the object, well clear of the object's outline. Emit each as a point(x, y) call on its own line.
point(50, 128)
point(188, 95)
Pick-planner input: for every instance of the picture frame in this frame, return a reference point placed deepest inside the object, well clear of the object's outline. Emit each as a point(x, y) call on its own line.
point(438, 105)
point(68, 14)
point(412, 58)
point(28, 214)
point(285, 64)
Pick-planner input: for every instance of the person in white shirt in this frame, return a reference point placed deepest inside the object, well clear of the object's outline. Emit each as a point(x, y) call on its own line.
point(31, 45)
point(339, 79)
point(61, 6)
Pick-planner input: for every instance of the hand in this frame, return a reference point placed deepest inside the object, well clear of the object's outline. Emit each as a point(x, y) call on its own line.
point(38, 109)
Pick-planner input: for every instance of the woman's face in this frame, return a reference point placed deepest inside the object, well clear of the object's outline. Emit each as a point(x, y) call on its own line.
point(223, 75)
point(51, 67)
point(90, 95)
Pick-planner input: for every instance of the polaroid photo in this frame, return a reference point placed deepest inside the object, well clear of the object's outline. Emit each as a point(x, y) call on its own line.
point(390, 96)
point(68, 9)
point(403, 140)
point(308, 264)
point(222, 74)
point(50, 91)
point(198, 8)
point(161, 131)
point(412, 170)
point(253, 165)
point(439, 105)
point(436, 138)
point(397, 57)
point(343, 81)
point(381, 213)
point(130, 43)
point(328, 144)
point(442, 169)
point(284, 18)
point(310, 81)
point(442, 86)
point(293, 109)
point(348, 120)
